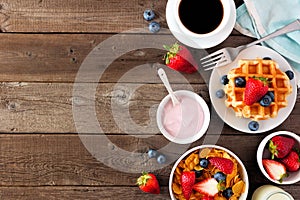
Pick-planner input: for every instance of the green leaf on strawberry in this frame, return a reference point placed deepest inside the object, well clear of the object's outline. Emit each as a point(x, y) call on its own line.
point(147, 182)
point(180, 58)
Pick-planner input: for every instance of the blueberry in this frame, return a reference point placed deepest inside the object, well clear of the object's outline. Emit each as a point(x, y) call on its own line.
point(203, 162)
point(220, 176)
point(265, 101)
point(290, 74)
point(220, 93)
point(267, 58)
point(240, 82)
point(154, 27)
point(227, 193)
point(224, 80)
point(161, 159)
point(198, 173)
point(152, 153)
point(271, 94)
point(149, 15)
point(253, 125)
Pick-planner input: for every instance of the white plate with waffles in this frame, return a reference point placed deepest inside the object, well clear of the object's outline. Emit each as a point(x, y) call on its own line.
point(228, 115)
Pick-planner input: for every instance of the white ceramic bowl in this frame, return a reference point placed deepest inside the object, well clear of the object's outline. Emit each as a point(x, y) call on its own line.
point(263, 152)
point(195, 136)
point(244, 174)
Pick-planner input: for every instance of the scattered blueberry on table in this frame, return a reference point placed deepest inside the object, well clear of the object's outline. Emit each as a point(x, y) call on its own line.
point(161, 159)
point(152, 153)
point(149, 15)
point(154, 27)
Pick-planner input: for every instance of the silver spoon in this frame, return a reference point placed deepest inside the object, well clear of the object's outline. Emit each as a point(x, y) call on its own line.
point(163, 76)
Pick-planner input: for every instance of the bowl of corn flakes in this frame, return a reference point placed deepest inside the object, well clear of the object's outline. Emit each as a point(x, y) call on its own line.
point(208, 172)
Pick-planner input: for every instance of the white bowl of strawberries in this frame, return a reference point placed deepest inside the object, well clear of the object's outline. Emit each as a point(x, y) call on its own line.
point(278, 157)
point(208, 172)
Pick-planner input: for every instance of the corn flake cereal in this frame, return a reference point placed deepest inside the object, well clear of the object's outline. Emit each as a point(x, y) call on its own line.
point(191, 163)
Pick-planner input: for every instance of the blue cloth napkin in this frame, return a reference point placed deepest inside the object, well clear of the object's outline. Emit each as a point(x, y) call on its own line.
point(257, 18)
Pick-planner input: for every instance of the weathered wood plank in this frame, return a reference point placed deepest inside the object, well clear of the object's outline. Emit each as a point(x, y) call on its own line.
point(58, 57)
point(47, 107)
point(95, 16)
point(53, 164)
point(79, 193)
point(77, 15)
point(91, 193)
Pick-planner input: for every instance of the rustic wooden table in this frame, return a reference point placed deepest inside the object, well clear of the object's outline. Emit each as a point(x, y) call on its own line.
point(44, 153)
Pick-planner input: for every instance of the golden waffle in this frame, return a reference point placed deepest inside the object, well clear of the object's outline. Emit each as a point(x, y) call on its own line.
point(279, 84)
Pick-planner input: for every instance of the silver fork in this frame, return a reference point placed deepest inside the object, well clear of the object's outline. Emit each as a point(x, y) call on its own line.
point(228, 54)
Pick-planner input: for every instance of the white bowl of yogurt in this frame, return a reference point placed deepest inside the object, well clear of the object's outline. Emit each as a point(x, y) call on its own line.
point(185, 122)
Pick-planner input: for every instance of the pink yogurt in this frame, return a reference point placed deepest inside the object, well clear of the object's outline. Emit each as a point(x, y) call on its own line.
point(183, 120)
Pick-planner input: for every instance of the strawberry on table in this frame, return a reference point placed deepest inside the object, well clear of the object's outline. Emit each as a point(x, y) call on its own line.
point(147, 182)
point(275, 169)
point(207, 186)
point(223, 164)
point(280, 146)
point(180, 59)
point(187, 179)
point(255, 89)
point(291, 161)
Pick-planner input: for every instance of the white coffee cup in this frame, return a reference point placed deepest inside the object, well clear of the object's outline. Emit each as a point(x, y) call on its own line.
point(219, 32)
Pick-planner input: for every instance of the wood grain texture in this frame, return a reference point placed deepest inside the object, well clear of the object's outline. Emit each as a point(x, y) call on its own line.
point(47, 107)
point(77, 15)
point(58, 57)
point(91, 193)
point(58, 163)
point(93, 16)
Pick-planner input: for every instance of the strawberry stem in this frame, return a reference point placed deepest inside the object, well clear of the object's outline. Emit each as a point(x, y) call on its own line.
point(172, 52)
point(142, 180)
point(272, 149)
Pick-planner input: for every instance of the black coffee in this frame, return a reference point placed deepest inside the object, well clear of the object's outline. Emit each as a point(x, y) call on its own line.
point(201, 16)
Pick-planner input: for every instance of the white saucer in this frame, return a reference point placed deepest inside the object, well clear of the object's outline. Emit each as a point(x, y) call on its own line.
point(198, 43)
point(227, 114)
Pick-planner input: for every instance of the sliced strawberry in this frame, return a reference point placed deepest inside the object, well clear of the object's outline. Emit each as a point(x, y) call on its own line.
point(255, 89)
point(180, 59)
point(280, 146)
point(147, 182)
point(291, 161)
point(223, 164)
point(275, 169)
point(187, 181)
point(207, 198)
point(208, 187)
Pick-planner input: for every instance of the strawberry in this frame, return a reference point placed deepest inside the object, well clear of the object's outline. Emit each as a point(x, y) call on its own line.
point(207, 198)
point(187, 179)
point(147, 182)
point(208, 186)
point(275, 169)
point(255, 89)
point(280, 146)
point(223, 164)
point(180, 58)
point(291, 161)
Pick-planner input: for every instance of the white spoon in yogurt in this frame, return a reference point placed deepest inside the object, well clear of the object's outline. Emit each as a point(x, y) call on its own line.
point(163, 76)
